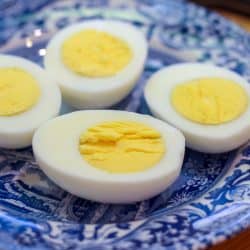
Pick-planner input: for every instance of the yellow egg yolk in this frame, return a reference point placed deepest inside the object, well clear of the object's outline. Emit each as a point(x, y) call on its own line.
point(122, 146)
point(210, 100)
point(19, 91)
point(93, 53)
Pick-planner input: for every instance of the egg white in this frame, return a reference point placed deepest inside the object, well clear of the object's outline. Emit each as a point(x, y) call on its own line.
point(56, 144)
point(86, 92)
point(16, 131)
point(205, 138)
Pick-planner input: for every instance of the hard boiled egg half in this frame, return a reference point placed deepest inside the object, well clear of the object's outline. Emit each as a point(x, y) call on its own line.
point(209, 104)
point(96, 63)
point(28, 97)
point(109, 156)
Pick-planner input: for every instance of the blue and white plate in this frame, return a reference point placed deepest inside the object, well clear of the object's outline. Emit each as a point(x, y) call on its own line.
point(209, 202)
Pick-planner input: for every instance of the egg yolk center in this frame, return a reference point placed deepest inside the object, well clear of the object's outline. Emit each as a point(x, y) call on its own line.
point(210, 100)
point(19, 91)
point(122, 146)
point(93, 53)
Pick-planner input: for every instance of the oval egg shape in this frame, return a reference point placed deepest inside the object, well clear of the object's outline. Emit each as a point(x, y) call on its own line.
point(28, 97)
point(96, 63)
point(110, 156)
point(209, 104)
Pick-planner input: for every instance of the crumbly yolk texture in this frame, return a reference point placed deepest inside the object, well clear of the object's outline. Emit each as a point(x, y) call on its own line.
point(210, 100)
point(122, 146)
point(93, 53)
point(19, 91)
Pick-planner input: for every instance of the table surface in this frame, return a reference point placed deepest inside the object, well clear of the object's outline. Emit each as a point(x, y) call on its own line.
point(241, 241)
point(242, 20)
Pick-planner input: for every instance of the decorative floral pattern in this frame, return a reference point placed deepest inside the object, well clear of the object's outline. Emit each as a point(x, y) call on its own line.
point(211, 198)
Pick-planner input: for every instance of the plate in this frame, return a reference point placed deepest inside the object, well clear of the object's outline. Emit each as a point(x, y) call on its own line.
point(210, 200)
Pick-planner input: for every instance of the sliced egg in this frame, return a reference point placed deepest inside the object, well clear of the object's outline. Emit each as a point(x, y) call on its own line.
point(109, 156)
point(209, 104)
point(96, 63)
point(28, 97)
